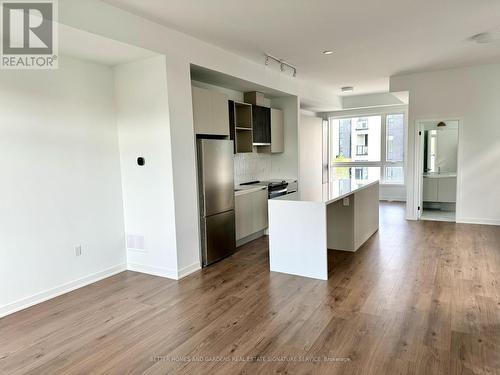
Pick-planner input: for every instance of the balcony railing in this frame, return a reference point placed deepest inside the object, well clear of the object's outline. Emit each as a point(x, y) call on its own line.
point(361, 150)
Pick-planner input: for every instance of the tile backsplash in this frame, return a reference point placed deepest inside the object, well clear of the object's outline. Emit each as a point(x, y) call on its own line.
point(251, 166)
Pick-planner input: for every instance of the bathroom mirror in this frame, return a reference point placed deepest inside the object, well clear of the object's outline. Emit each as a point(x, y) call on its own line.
point(440, 150)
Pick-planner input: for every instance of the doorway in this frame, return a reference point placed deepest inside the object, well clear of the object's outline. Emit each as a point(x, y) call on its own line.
point(438, 167)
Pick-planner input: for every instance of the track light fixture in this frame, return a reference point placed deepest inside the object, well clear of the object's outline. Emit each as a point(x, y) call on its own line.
point(282, 63)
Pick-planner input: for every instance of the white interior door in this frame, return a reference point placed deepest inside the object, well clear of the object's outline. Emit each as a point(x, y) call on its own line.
point(420, 167)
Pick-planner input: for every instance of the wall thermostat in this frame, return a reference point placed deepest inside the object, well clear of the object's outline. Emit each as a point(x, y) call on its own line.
point(141, 161)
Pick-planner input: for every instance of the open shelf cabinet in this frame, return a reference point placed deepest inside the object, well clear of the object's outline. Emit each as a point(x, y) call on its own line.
point(240, 126)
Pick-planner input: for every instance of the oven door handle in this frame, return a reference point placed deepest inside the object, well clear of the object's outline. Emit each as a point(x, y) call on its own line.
point(275, 193)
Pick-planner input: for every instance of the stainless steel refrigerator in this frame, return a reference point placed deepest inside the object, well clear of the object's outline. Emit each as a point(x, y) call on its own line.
point(216, 194)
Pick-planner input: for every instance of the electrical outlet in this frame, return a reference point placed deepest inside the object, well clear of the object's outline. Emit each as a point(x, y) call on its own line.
point(78, 250)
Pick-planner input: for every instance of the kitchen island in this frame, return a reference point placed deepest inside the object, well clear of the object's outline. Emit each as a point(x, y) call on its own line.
point(340, 215)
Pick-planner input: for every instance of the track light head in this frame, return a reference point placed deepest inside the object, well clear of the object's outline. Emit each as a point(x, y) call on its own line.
point(282, 64)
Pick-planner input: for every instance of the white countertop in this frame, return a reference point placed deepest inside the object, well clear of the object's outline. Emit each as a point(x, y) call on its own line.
point(333, 190)
point(239, 190)
point(245, 189)
point(440, 175)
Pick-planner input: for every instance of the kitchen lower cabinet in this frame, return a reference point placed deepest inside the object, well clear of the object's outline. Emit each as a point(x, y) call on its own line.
point(259, 208)
point(251, 213)
point(244, 215)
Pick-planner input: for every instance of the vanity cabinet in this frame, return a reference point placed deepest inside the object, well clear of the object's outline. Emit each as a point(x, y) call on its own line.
point(430, 189)
point(210, 112)
point(439, 189)
point(447, 189)
point(251, 213)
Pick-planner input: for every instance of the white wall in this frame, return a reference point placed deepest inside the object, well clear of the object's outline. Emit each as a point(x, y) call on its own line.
point(471, 95)
point(310, 151)
point(286, 165)
point(144, 130)
point(182, 50)
point(370, 101)
point(60, 182)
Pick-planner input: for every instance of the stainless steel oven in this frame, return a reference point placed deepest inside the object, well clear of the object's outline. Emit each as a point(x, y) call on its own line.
point(274, 188)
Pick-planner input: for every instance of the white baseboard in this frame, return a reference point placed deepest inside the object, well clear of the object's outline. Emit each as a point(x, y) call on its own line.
point(59, 290)
point(392, 199)
point(183, 272)
point(164, 272)
point(392, 193)
point(150, 270)
point(471, 220)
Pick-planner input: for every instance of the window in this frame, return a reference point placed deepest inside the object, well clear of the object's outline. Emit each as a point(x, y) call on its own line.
point(395, 138)
point(369, 141)
point(362, 145)
point(362, 124)
point(395, 134)
point(350, 138)
point(361, 173)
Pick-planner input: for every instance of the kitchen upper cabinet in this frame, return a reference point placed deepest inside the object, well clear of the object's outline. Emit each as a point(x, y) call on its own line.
point(220, 113)
point(240, 126)
point(210, 112)
point(277, 131)
point(261, 117)
point(202, 110)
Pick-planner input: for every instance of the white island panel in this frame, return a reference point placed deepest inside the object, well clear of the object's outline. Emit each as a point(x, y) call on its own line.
point(297, 238)
point(303, 225)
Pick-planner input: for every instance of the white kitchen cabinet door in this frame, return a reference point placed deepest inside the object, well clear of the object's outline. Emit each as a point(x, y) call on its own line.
point(259, 207)
point(447, 189)
point(277, 131)
point(251, 213)
point(243, 215)
point(220, 113)
point(202, 111)
point(430, 189)
point(210, 112)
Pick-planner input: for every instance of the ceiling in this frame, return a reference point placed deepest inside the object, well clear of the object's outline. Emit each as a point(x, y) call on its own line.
point(86, 46)
point(371, 39)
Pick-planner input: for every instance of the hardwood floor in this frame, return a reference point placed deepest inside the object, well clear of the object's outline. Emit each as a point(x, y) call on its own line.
point(418, 298)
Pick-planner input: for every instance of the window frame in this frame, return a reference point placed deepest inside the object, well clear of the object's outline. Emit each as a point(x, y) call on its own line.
point(383, 163)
